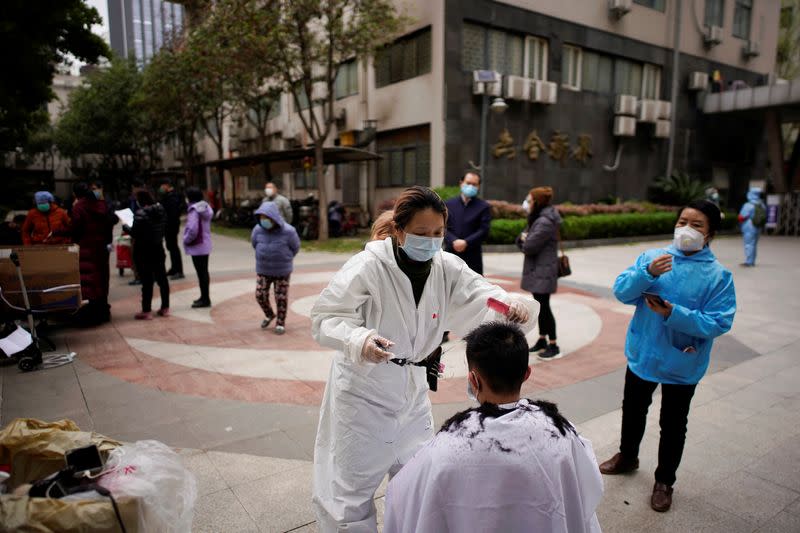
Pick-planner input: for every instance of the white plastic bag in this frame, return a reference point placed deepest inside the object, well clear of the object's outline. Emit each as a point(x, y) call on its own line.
point(18, 340)
point(150, 471)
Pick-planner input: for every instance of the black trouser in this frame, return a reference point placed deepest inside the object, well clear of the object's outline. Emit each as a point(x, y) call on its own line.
point(547, 322)
point(153, 270)
point(675, 402)
point(200, 263)
point(171, 240)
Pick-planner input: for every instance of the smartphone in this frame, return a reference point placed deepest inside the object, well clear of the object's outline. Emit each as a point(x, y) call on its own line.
point(655, 297)
point(86, 459)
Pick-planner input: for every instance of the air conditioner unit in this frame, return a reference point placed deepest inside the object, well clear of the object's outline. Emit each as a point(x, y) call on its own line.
point(288, 133)
point(713, 35)
point(517, 88)
point(662, 129)
point(624, 126)
point(698, 81)
point(625, 105)
point(486, 82)
point(751, 49)
point(647, 111)
point(544, 92)
point(619, 8)
point(664, 110)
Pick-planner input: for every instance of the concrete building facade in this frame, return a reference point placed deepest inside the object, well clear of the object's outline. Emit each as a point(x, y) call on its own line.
point(574, 59)
point(138, 28)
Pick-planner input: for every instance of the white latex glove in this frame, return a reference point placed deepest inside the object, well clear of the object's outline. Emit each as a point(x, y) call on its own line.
point(375, 349)
point(518, 312)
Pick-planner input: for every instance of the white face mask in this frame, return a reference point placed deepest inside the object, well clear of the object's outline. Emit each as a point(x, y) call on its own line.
point(269, 191)
point(688, 239)
point(421, 248)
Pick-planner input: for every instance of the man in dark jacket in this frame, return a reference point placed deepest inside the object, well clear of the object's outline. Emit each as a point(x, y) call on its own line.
point(173, 204)
point(468, 221)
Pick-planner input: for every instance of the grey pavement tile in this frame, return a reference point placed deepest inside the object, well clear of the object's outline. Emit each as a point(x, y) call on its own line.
point(443, 411)
point(721, 412)
point(781, 523)
point(731, 351)
point(273, 444)
point(46, 408)
point(766, 365)
point(209, 478)
point(751, 497)
point(794, 508)
point(304, 435)
point(221, 511)
point(754, 397)
point(626, 503)
point(279, 502)
point(239, 468)
point(114, 395)
point(137, 413)
point(587, 399)
point(175, 434)
point(780, 466)
point(690, 513)
point(728, 382)
point(706, 464)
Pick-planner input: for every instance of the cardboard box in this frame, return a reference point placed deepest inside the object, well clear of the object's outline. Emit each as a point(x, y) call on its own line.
point(51, 273)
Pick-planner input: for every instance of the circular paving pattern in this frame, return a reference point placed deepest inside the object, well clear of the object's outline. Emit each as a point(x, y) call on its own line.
point(222, 352)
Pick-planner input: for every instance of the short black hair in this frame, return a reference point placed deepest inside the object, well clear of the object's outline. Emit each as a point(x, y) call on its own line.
point(165, 181)
point(710, 210)
point(416, 199)
point(81, 190)
point(499, 351)
point(194, 194)
point(475, 172)
point(98, 184)
point(145, 198)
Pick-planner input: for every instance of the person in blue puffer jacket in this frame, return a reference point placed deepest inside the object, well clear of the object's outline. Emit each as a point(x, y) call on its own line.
point(276, 243)
point(684, 299)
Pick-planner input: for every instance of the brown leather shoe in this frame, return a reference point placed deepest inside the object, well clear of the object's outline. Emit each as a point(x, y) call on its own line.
point(661, 500)
point(619, 465)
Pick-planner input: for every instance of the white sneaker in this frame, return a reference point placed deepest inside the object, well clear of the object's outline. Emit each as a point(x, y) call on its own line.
point(280, 330)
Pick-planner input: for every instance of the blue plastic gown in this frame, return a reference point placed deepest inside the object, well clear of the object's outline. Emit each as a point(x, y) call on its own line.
point(676, 350)
point(750, 232)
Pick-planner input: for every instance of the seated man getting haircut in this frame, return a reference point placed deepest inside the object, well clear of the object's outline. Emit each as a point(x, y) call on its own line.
point(510, 465)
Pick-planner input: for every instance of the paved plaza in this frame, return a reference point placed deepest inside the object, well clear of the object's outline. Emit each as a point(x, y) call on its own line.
point(242, 403)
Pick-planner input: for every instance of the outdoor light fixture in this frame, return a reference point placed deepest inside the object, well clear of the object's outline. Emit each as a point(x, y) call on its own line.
point(499, 106)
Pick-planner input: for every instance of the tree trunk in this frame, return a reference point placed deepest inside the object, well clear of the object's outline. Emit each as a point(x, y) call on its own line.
point(323, 190)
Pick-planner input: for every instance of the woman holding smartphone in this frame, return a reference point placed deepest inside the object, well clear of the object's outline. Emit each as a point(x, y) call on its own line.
point(684, 299)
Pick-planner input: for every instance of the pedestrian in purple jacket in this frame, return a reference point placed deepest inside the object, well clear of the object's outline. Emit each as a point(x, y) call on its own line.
point(197, 241)
point(276, 243)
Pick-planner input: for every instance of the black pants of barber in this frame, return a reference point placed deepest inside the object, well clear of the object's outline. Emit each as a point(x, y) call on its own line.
point(675, 402)
point(175, 260)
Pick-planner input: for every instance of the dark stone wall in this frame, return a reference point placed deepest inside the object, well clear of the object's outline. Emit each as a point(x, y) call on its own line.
point(709, 142)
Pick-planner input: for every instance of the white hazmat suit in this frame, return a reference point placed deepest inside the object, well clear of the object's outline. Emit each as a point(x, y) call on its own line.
point(374, 417)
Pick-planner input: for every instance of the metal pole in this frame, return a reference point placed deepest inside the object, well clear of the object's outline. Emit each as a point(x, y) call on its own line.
point(484, 124)
point(676, 54)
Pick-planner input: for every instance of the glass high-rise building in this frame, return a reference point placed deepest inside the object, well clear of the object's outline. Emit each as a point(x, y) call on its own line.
point(138, 28)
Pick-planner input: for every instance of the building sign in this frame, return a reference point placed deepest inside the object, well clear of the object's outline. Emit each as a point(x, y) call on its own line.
point(773, 210)
point(558, 149)
point(534, 145)
point(583, 150)
point(505, 146)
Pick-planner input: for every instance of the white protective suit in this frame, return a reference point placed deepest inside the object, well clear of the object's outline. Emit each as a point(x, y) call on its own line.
point(514, 473)
point(374, 417)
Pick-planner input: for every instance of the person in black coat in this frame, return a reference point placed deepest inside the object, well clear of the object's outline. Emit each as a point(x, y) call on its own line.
point(468, 219)
point(539, 243)
point(174, 205)
point(149, 224)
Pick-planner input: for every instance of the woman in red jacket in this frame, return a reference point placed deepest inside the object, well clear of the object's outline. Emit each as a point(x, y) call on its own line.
point(46, 223)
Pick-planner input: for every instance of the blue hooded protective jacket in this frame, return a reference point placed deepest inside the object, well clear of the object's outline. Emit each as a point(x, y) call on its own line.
point(749, 230)
point(704, 303)
point(275, 248)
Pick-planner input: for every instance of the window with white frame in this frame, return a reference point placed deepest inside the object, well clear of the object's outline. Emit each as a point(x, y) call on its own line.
point(571, 58)
point(651, 82)
point(715, 13)
point(492, 49)
point(597, 72)
point(346, 79)
point(536, 58)
point(742, 14)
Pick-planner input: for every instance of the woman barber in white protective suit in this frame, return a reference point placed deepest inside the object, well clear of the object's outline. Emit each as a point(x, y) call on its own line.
point(394, 300)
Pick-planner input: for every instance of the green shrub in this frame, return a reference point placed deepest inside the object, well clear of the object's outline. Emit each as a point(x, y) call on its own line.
point(504, 231)
point(592, 226)
point(450, 191)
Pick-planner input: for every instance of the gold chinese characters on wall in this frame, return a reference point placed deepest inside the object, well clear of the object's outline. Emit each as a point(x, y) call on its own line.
point(558, 148)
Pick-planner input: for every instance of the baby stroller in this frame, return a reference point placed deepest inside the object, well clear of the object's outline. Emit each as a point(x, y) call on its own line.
point(24, 346)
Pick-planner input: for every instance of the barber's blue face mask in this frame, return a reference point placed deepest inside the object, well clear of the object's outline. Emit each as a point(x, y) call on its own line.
point(421, 248)
point(470, 191)
point(266, 223)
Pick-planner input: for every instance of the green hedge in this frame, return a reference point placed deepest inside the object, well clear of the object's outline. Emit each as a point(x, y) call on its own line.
point(573, 228)
point(448, 192)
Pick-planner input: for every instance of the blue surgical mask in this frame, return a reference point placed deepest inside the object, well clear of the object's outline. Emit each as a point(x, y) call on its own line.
point(421, 248)
point(470, 191)
point(266, 223)
point(471, 392)
point(97, 194)
point(44, 208)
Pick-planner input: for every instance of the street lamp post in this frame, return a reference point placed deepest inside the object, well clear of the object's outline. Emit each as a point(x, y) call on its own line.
point(498, 106)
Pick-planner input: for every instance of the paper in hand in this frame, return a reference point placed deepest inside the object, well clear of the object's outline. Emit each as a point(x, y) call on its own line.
point(125, 216)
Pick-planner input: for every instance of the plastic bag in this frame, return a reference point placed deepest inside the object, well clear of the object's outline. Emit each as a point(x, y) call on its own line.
point(151, 472)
